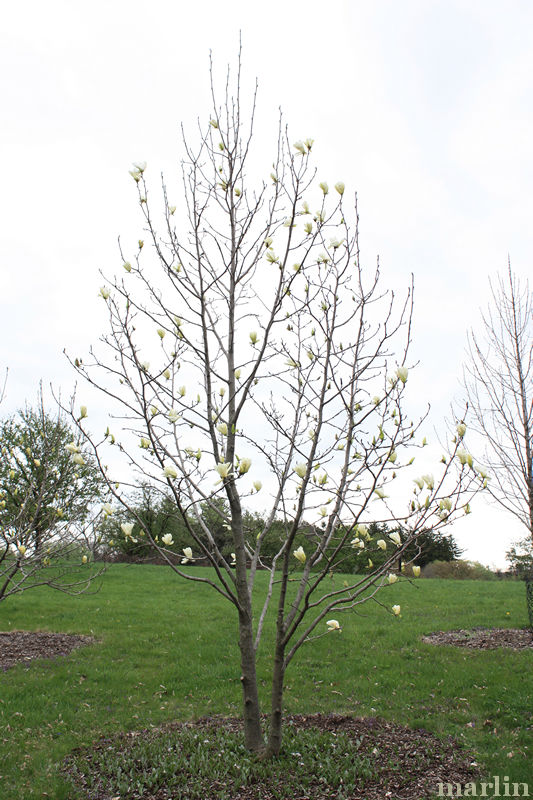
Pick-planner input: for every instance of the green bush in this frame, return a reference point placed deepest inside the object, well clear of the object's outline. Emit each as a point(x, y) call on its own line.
point(459, 570)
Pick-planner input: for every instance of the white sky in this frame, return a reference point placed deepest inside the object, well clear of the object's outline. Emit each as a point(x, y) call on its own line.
point(424, 107)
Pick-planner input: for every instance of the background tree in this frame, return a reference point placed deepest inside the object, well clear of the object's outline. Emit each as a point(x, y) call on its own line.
point(520, 557)
point(248, 344)
point(48, 492)
point(499, 385)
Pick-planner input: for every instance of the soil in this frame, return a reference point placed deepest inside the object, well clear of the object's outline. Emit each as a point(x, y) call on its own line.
point(23, 646)
point(484, 638)
point(412, 762)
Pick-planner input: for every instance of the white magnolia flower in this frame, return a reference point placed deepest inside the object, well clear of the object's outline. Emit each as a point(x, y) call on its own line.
point(461, 429)
point(382, 544)
point(300, 470)
point(104, 292)
point(72, 447)
point(362, 530)
point(253, 337)
point(161, 332)
point(300, 555)
point(140, 166)
point(78, 459)
point(145, 443)
point(188, 555)
point(300, 147)
point(222, 428)
point(127, 528)
point(340, 187)
point(333, 625)
point(107, 508)
point(84, 559)
point(244, 465)
point(223, 468)
point(429, 480)
point(324, 187)
point(323, 511)
point(396, 610)
point(392, 578)
point(170, 472)
point(83, 412)
point(167, 539)
point(402, 373)
point(380, 493)
point(465, 458)
point(233, 560)
point(22, 549)
point(416, 570)
point(182, 391)
point(396, 538)
point(173, 415)
point(145, 366)
point(257, 486)
point(127, 266)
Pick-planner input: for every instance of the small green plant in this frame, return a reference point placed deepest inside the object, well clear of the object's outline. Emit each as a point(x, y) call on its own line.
point(190, 762)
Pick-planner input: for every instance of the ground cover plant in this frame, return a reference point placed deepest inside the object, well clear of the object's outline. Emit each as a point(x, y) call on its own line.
point(165, 652)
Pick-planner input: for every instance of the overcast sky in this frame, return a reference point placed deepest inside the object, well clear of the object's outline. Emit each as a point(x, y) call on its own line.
point(425, 108)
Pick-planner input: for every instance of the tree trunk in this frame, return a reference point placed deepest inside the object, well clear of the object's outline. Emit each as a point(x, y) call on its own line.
point(276, 711)
point(253, 737)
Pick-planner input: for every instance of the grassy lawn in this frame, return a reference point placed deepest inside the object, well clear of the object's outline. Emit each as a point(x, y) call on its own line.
point(166, 650)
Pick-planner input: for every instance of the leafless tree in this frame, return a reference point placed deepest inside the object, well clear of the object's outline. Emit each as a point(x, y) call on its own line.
point(499, 385)
point(249, 345)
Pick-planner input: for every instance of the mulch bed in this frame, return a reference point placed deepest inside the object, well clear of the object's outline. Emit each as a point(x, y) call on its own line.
point(484, 638)
point(23, 646)
point(412, 763)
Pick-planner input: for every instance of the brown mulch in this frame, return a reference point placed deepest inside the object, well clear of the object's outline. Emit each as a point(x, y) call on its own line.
point(23, 646)
point(411, 763)
point(484, 638)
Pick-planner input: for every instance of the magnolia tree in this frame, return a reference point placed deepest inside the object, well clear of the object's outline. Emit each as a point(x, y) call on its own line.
point(48, 489)
point(251, 352)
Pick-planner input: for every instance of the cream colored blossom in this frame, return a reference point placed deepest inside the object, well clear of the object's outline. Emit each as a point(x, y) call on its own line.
point(461, 429)
point(223, 469)
point(299, 554)
point(333, 625)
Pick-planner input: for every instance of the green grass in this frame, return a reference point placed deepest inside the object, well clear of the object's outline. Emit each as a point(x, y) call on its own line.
point(166, 651)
